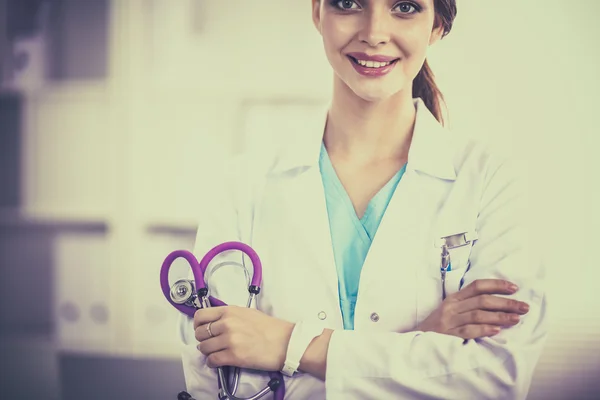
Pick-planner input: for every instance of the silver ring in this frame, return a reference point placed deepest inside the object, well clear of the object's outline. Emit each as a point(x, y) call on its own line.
point(209, 331)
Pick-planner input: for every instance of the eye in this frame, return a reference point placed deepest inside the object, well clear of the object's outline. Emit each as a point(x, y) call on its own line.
point(406, 7)
point(346, 5)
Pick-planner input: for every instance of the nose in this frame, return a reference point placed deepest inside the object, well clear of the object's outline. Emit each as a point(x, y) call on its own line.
point(375, 30)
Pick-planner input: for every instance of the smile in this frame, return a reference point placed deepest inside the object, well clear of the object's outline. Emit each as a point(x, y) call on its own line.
point(372, 64)
point(373, 68)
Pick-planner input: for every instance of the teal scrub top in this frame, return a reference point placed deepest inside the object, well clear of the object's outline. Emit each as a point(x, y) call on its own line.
point(351, 236)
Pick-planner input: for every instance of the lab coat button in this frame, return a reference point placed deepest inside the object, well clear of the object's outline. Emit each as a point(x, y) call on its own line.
point(374, 317)
point(322, 315)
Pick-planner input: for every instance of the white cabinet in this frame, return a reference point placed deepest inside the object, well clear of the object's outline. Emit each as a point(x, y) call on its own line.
point(177, 139)
point(153, 319)
point(69, 153)
point(82, 291)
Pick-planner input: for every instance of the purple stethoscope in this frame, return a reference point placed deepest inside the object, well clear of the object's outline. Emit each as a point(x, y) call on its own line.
point(187, 296)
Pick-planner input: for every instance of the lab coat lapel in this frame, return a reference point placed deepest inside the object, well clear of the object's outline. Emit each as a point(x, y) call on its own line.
point(304, 199)
point(399, 245)
point(307, 213)
point(404, 238)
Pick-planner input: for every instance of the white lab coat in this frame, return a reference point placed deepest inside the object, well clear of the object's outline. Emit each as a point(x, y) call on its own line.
point(274, 201)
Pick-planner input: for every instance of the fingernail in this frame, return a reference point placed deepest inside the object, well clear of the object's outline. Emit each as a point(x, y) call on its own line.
point(496, 330)
point(514, 318)
point(513, 288)
point(524, 307)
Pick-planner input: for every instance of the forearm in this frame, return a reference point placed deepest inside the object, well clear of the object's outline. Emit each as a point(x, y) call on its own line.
point(314, 360)
point(375, 365)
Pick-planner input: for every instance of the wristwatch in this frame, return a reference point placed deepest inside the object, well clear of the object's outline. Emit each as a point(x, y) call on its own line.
point(302, 334)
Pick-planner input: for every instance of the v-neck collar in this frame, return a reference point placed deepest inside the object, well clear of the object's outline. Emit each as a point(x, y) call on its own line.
point(374, 203)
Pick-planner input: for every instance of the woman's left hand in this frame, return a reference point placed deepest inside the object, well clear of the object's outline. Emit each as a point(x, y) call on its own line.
point(242, 337)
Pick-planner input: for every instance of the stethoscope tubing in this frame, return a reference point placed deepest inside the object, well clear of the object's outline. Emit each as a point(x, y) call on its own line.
point(199, 272)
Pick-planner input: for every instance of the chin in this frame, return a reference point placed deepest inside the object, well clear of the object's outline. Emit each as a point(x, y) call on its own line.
point(374, 94)
point(375, 90)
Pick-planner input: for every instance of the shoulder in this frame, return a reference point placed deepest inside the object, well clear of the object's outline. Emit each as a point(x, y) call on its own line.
point(224, 186)
point(500, 178)
point(486, 160)
point(242, 176)
point(497, 177)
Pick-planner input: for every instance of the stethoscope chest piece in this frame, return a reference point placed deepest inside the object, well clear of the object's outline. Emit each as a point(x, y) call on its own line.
point(182, 292)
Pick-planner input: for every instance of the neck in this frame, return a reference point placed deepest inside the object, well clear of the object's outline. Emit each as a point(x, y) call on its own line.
point(366, 131)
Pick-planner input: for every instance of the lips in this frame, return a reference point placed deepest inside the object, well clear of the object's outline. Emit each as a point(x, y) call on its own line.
point(375, 58)
point(372, 66)
point(370, 63)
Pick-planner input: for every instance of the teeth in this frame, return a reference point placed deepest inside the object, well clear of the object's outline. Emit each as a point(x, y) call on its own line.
point(373, 64)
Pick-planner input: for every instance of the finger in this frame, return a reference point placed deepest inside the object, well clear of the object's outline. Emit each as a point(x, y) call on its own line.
point(474, 331)
point(219, 359)
point(202, 333)
point(485, 286)
point(480, 317)
point(491, 303)
point(206, 315)
point(213, 345)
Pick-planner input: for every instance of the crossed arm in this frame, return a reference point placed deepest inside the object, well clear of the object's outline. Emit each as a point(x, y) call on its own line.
point(469, 314)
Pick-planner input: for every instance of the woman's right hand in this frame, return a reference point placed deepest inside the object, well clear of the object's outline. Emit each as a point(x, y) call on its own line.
point(475, 312)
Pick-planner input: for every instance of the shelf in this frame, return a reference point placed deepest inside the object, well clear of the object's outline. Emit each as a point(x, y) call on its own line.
point(171, 228)
point(76, 89)
point(140, 351)
point(32, 340)
point(16, 219)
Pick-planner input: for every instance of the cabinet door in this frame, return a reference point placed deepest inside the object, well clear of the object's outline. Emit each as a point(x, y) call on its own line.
point(83, 314)
point(153, 319)
point(71, 156)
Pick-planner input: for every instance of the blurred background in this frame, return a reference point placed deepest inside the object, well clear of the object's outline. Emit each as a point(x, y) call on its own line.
point(113, 113)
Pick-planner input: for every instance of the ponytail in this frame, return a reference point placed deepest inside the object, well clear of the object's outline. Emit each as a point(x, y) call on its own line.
point(424, 87)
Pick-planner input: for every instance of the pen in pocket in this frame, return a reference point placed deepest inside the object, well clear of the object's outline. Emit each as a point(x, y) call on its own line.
point(446, 266)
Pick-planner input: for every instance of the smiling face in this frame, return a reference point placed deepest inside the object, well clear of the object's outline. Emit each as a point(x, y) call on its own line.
point(376, 47)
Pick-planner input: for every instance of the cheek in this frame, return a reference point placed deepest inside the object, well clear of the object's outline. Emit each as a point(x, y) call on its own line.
point(414, 41)
point(414, 44)
point(336, 35)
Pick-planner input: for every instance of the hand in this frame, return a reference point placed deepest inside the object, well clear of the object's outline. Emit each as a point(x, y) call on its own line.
point(473, 312)
point(242, 337)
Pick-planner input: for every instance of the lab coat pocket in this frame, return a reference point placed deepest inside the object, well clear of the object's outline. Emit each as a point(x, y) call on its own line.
point(460, 252)
point(454, 281)
point(201, 381)
point(459, 266)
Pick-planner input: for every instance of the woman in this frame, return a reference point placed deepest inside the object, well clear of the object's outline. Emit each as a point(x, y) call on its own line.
point(378, 162)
